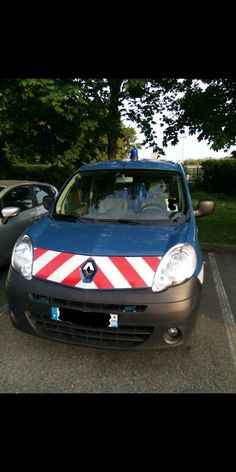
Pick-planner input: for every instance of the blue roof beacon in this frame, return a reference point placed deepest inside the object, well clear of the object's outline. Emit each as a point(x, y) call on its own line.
point(134, 154)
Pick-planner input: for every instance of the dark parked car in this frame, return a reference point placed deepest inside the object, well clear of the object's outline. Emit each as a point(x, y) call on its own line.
point(21, 205)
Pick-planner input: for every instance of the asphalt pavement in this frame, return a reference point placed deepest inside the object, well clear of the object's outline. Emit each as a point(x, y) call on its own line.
point(207, 364)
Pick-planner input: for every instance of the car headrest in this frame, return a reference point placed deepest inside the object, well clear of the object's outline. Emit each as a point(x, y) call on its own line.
point(157, 187)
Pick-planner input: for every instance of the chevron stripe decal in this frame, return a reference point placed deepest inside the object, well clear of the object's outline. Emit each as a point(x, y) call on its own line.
point(112, 272)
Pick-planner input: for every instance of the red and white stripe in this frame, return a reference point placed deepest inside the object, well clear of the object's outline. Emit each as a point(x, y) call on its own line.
point(112, 272)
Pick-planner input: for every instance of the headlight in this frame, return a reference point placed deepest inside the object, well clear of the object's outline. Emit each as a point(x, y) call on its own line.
point(22, 256)
point(178, 265)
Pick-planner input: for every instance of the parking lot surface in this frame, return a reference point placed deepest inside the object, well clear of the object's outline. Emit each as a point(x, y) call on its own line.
point(207, 364)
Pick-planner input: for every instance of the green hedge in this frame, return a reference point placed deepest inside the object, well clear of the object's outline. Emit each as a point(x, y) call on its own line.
point(44, 173)
point(219, 175)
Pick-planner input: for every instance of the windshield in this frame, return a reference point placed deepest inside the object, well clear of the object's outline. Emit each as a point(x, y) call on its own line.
point(133, 195)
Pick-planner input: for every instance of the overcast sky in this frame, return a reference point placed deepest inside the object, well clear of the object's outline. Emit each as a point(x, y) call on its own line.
point(187, 148)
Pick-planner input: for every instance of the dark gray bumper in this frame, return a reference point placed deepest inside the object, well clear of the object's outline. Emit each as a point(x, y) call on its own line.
point(144, 316)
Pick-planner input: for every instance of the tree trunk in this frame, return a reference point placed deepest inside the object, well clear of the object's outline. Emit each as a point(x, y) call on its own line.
point(114, 122)
point(112, 147)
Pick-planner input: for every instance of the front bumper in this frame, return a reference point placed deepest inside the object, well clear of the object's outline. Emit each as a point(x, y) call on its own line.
point(144, 316)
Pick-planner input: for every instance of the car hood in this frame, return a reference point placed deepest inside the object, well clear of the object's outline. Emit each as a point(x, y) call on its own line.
point(102, 239)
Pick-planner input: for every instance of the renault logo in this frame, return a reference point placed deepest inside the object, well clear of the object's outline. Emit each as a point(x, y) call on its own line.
point(88, 270)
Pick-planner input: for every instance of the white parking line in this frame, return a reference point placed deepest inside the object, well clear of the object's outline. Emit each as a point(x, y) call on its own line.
point(225, 307)
point(3, 309)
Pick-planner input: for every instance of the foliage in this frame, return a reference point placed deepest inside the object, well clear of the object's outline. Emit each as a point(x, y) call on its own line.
point(57, 120)
point(53, 174)
point(135, 100)
point(78, 120)
point(193, 162)
point(39, 118)
point(220, 176)
point(206, 107)
point(127, 141)
point(198, 162)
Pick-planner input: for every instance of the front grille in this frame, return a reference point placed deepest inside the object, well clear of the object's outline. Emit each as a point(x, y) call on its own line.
point(122, 337)
point(86, 306)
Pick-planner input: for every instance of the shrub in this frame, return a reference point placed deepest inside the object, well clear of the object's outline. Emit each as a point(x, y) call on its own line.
point(220, 176)
point(54, 175)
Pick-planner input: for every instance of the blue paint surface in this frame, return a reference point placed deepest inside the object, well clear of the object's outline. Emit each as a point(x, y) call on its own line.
point(112, 239)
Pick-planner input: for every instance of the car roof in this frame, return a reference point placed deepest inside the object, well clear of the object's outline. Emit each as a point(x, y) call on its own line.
point(6, 185)
point(138, 164)
point(12, 183)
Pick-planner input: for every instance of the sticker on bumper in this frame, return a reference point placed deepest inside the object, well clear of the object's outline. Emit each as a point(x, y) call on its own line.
point(113, 321)
point(55, 313)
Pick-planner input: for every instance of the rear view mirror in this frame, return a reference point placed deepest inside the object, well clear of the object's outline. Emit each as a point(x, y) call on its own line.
point(204, 208)
point(124, 179)
point(8, 212)
point(47, 202)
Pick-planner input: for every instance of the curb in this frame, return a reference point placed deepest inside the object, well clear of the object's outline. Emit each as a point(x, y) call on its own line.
point(218, 247)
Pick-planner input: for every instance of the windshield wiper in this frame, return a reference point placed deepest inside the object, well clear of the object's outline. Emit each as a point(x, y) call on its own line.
point(60, 216)
point(69, 217)
point(131, 222)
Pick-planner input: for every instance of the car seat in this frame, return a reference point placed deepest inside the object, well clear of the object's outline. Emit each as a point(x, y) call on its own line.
point(111, 204)
point(156, 195)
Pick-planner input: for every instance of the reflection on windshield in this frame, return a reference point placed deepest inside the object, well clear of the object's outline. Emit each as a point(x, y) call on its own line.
point(131, 195)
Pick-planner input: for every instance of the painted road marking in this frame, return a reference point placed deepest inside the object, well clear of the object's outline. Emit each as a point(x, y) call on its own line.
point(3, 309)
point(225, 307)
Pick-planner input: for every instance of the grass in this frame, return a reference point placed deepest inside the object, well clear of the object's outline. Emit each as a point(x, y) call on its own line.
point(220, 226)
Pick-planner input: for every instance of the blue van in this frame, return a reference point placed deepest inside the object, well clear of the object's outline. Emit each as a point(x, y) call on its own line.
point(116, 263)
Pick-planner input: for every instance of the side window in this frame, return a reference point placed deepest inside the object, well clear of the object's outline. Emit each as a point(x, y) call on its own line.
point(18, 197)
point(42, 191)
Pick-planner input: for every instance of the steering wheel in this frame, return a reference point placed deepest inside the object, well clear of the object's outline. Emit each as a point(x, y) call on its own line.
point(151, 207)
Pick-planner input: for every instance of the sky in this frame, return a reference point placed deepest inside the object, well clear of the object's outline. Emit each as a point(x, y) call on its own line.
point(187, 148)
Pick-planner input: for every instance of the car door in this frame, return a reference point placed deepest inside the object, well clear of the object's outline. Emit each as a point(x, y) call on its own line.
point(21, 197)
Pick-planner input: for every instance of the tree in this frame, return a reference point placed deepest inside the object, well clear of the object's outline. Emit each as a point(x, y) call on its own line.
point(127, 142)
point(79, 120)
point(58, 119)
point(206, 107)
point(137, 100)
point(39, 117)
point(55, 120)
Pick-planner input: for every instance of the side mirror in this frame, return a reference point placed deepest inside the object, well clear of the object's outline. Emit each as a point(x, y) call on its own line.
point(204, 208)
point(8, 212)
point(47, 202)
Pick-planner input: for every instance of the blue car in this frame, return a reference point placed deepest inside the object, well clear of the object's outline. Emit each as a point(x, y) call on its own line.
point(116, 263)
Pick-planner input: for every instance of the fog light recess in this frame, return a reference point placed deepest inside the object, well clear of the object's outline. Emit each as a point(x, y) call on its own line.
point(172, 335)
